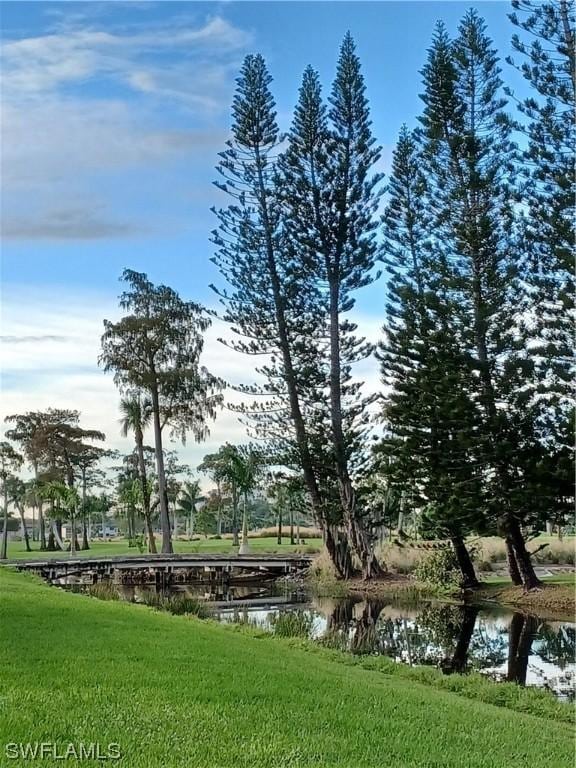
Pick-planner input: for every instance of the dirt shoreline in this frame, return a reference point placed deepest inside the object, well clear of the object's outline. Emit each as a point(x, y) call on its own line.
point(552, 601)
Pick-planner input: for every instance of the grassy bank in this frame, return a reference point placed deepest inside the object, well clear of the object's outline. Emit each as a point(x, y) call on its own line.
point(556, 598)
point(175, 692)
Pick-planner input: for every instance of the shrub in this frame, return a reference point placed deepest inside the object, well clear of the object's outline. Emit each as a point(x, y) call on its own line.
point(439, 569)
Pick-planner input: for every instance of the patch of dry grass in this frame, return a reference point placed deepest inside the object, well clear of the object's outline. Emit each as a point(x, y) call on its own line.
point(491, 549)
point(399, 559)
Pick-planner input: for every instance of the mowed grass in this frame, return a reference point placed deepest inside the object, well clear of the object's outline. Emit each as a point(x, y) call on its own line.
point(17, 550)
point(174, 692)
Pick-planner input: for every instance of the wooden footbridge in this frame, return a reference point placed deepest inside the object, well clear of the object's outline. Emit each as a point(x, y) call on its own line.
point(164, 570)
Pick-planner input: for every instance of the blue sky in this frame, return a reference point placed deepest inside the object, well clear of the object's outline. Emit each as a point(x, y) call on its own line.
point(113, 114)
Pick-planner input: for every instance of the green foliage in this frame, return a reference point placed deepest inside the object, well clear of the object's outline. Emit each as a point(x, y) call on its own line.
point(292, 624)
point(177, 604)
point(103, 590)
point(155, 349)
point(439, 569)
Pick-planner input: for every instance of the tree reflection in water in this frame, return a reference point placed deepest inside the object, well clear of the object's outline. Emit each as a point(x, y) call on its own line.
point(457, 639)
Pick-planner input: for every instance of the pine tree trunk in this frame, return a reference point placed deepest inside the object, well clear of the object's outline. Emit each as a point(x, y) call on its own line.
point(358, 535)
point(279, 536)
point(339, 552)
point(150, 535)
point(512, 563)
point(291, 525)
point(523, 559)
point(469, 579)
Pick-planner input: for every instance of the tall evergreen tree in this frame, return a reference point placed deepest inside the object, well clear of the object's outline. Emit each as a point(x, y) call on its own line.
point(547, 119)
point(430, 417)
point(331, 199)
point(265, 303)
point(470, 160)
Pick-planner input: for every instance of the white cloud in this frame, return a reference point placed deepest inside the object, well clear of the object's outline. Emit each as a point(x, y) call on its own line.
point(48, 357)
point(63, 140)
point(36, 66)
point(49, 350)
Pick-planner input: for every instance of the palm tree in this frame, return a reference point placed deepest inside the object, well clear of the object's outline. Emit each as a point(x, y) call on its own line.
point(136, 412)
point(34, 501)
point(64, 498)
point(246, 469)
point(10, 460)
point(17, 493)
point(187, 500)
point(278, 493)
point(222, 467)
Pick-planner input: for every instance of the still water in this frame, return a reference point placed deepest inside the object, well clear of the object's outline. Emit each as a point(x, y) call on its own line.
point(505, 645)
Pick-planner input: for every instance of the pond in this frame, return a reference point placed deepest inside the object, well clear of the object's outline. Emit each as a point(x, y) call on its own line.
point(492, 640)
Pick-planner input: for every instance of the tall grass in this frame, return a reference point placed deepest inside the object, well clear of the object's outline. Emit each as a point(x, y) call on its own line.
point(292, 624)
point(486, 551)
point(103, 590)
point(492, 549)
point(305, 533)
point(399, 559)
point(177, 604)
point(321, 578)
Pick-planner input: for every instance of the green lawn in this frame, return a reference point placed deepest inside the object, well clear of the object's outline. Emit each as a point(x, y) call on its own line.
point(175, 692)
point(17, 550)
point(557, 578)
